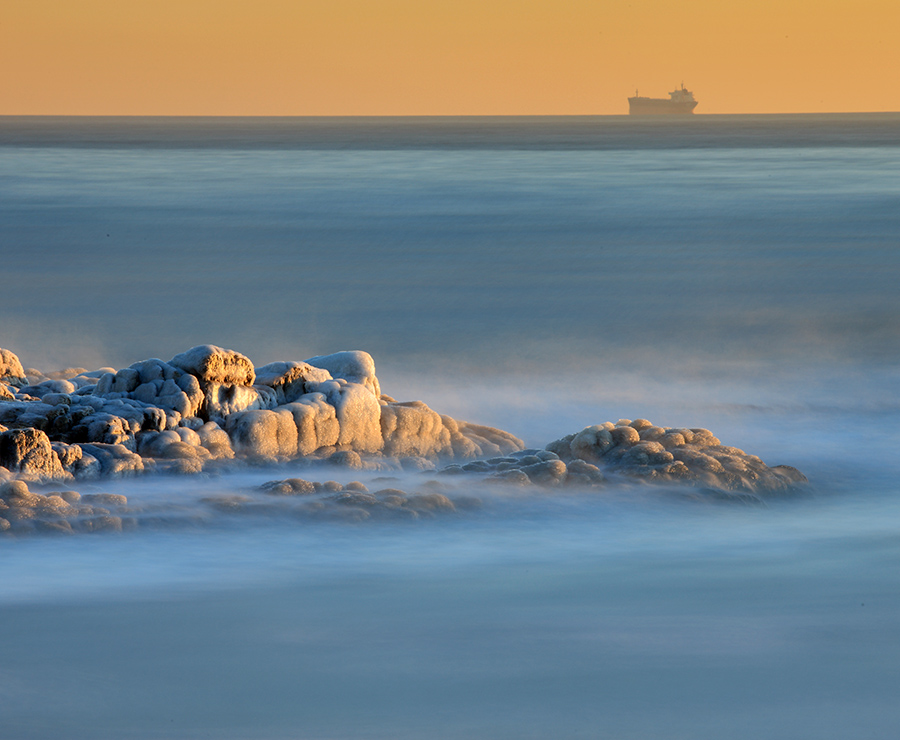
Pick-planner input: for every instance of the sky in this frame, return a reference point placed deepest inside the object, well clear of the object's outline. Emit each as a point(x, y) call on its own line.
point(444, 57)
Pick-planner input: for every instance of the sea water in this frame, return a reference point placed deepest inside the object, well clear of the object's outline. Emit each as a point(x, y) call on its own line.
point(537, 274)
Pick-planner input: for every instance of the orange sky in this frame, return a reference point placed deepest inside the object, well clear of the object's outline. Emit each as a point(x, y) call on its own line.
point(444, 57)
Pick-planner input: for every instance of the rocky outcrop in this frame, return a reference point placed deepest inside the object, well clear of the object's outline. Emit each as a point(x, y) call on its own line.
point(640, 449)
point(209, 404)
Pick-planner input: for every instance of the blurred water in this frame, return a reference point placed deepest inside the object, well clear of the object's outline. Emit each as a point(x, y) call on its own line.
point(736, 273)
point(469, 254)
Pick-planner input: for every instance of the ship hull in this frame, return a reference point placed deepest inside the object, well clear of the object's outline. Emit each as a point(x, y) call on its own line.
point(660, 107)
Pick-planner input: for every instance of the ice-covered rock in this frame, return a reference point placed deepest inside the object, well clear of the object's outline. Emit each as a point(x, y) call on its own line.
point(221, 400)
point(48, 386)
point(216, 441)
point(412, 429)
point(11, 370)
point(488, 440)
point(115, 460)
point(28, 452)
point(358, 413)
point(663, 454)
point(316, 422)
point(211, 364)
point(355, 366)
point(209, 404)
point(290, 380)
point(155, 383)
point(264, 433)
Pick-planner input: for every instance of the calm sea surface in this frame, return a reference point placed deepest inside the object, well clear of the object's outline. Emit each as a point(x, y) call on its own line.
point(738, 273)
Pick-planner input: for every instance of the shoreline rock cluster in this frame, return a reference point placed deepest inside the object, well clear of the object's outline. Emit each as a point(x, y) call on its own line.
point(209, 409)
point(210, 405)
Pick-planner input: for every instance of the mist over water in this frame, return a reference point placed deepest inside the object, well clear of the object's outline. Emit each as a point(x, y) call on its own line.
point(540, 275)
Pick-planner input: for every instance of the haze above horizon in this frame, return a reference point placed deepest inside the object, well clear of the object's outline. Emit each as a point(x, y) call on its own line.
point(402, 57)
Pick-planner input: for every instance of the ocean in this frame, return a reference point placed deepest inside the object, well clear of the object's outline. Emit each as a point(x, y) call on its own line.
point(737, 273)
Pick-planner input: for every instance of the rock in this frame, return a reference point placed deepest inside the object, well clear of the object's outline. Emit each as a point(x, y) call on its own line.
point(488, 440)
point(514, 476)
point(115, 460)
point(28, 451)
point(354, 366)
point(68, 455)
point(316, 422)
point(15, 494)
point(66, 373)
point(222, 400)
point(668, 455)
point(346, 459)
point(211, 364)
point(290, 380)
point(289, 487)
point(412, 429)
point(430, 502)
point(11, 370)
point(216, 441)
point(790, 473)
point(104, 499)
point(48, 386)
point(581, 473)
point(162, 384)
point(264, 434)
point(546, 472)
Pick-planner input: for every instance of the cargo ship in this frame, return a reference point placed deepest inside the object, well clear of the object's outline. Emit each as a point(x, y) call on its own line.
point(680, 102)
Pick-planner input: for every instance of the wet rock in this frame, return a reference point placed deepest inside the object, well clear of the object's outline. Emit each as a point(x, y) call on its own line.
point(355, 498)
point(513, 476)
point(430, 502)
point(546, 472)
point(289, 487)
point(579, 472)
point(346, 459)
point(15, 494)
point(104, 499)
point(103, 523)
point(416, 464)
